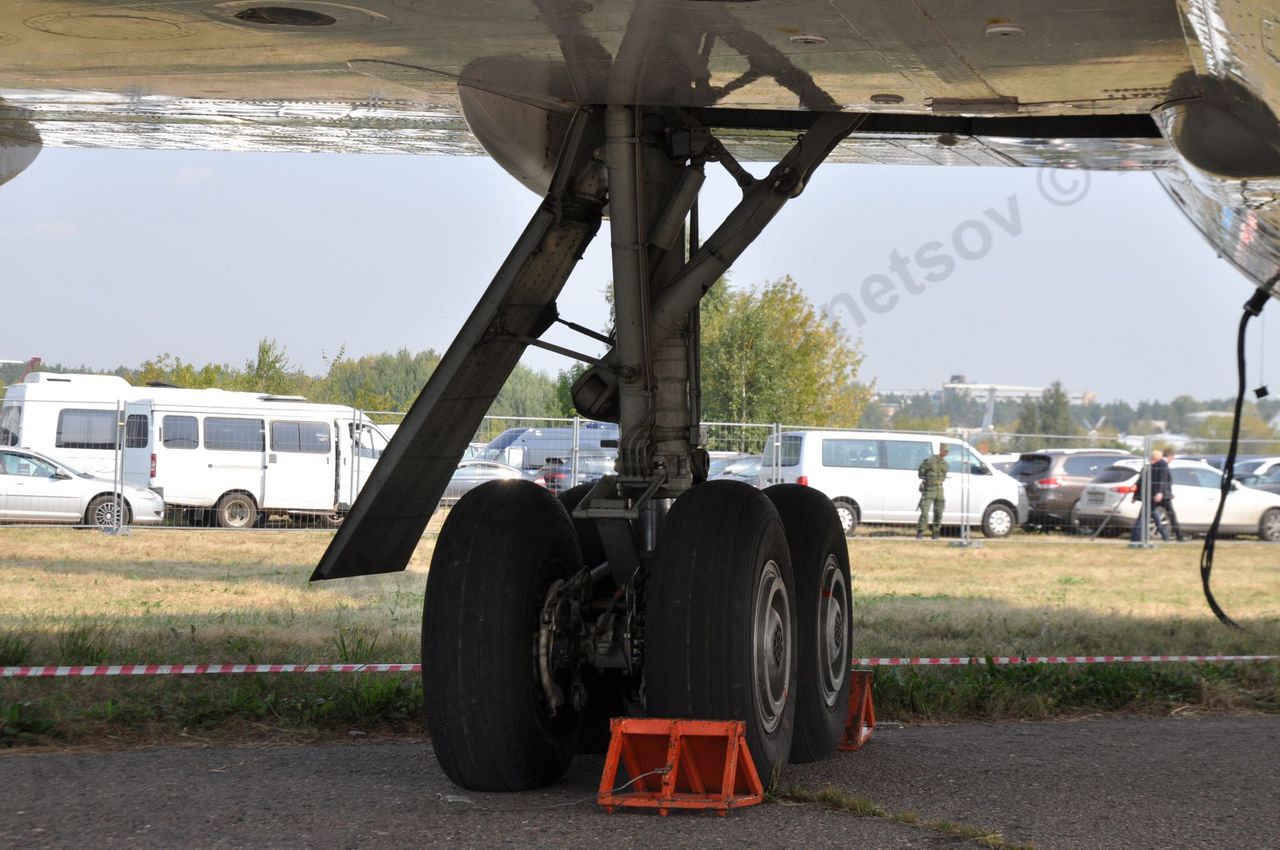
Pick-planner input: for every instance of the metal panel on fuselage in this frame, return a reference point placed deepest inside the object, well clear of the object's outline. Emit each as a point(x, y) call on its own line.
point(82, 72)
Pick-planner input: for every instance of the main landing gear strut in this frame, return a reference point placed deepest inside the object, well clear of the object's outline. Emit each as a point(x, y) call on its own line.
point(652, 591)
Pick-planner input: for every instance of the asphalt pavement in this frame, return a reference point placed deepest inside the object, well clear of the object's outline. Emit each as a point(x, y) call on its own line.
point(1094, 783)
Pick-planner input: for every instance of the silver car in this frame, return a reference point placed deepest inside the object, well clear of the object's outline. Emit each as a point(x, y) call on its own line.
point(472, 473)
point(35, 488)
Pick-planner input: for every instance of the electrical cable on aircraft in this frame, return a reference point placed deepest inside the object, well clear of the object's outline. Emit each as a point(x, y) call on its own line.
point(1252, 308)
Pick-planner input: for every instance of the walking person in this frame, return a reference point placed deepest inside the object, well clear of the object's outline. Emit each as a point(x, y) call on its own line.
point(1166, 503)
point(1151, 498)
point(932, 473)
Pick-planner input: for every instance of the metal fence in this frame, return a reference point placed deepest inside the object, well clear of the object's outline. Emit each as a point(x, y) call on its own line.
point(291, 464)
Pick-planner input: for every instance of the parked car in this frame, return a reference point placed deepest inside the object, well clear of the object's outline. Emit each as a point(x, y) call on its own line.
point(719, 460)
point(745, 468)
point(531, 448)
point(1055, 477)
point(1219, 461)
point(1003, 461)
point(871, 476)
point(1196, 489)
point(36, 488)
point(472, 473)
point(559, 476)
point(1270, 482)
point(1256, 466)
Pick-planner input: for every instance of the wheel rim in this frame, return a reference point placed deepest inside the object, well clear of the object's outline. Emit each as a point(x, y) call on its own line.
point(237, 513)
point(559, 670)
point(105, 514)
point(846, 516)
point(1271, 525)
point(1000, 522)
point(771, 643)
point(833, 619)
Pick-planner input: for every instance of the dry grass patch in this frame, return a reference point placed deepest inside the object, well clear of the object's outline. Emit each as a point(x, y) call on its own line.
point(190, 595)
point(186, 596)
point(1061, 598)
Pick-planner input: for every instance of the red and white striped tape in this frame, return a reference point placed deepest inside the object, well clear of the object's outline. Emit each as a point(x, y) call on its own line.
point(1007, 660)
point(197, 669)
point(70, 671)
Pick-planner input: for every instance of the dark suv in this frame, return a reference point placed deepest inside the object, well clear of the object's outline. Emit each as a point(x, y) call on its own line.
point(1055, 477)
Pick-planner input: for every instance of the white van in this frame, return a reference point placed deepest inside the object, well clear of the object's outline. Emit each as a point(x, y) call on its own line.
point(533, 448)
point(71, 418)
point(872, 477)
point(237, 463)
point(231, 457)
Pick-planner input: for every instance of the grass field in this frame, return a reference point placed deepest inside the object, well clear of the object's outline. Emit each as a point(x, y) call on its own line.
point(181, 596)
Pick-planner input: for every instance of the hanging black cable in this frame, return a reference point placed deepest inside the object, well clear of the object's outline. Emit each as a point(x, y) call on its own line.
point(1251, 309)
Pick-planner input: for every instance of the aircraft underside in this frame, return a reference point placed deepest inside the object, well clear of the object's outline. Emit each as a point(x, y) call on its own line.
point(652, 590)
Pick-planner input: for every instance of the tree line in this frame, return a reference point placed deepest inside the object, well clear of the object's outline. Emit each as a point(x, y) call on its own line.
point(1053, 413)
point(768, 355)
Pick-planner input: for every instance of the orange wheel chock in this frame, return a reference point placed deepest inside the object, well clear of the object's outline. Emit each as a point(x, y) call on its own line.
point(679, 764)
point(862, 712)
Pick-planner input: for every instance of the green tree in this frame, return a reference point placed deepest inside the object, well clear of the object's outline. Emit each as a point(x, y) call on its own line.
point(1055, 412)
point(919, 413)
point(391, 382)
point(873, 416)
point(1119, 415)
point(270, 371)
point(903, 421)
point(1028, 422)
point(1050, 414)
point(769, 356)
point(1180, 410)
point(1142, 427)
point(386, 381)
point(526, 393)
point(168, 369)
point(564, 386)
point(964, 410)
point(1255, 434)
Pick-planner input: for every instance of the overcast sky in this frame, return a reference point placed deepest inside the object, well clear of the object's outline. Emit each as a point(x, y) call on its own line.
point(1003, 275)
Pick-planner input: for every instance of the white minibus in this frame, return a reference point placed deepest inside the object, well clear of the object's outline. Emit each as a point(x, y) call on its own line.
point(871, 476)
point(228, 457)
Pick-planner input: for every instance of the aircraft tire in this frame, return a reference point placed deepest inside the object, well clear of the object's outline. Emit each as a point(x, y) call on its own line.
point(606, 690)
point(720, 619)
point(499, 551)
point(824, 617)
point(588, 536)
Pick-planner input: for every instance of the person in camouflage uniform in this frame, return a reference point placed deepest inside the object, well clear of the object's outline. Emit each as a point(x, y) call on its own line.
point(932, 472)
